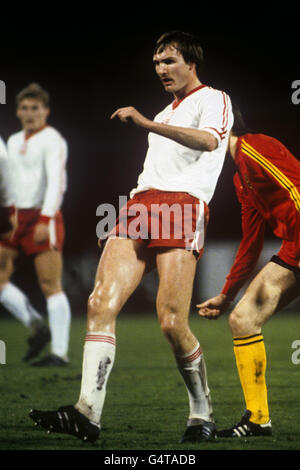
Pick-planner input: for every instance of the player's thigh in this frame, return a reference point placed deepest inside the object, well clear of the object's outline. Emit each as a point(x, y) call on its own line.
point(176, 269)
point(48, 265)
point(120, 270)
point(7, 258)
point(272, 289)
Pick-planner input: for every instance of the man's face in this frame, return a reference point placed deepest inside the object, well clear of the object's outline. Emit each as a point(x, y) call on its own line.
point(32, 114)
point(174, 73)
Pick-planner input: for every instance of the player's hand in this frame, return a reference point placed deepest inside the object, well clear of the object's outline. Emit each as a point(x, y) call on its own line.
point(214, 307)
point(130, 114)
point(41, 233)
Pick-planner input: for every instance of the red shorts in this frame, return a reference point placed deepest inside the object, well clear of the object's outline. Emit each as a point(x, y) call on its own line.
point(164, 219)
point(23, 237)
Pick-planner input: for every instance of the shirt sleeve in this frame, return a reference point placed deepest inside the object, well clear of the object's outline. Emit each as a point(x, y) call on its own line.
point(253, 228)
point(55, 163)
point(216, 115)
point(6, 188)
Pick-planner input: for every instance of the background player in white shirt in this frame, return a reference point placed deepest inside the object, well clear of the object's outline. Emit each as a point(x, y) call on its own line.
point(187, 146)
point(7, 202)
point(37, 158)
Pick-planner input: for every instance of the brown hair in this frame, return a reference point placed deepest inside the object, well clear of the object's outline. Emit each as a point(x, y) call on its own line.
point(239, 126)
point(187, 44)
point(34, 90)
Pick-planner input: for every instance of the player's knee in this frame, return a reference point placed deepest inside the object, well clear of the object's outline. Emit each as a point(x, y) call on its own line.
point(168, 327)
point(101, 304)
point(244, 321)
point(236, 320)
point(169, 319)
point(50, 286)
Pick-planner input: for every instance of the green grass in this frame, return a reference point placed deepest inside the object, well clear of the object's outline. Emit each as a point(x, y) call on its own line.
point(146, 405)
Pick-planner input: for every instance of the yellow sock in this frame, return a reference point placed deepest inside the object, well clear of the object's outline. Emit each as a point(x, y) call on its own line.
point(251, 361)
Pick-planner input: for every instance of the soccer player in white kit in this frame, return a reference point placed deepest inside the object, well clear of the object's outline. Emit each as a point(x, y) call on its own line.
point(187, 147)
point(37, 158)
point(7, 202)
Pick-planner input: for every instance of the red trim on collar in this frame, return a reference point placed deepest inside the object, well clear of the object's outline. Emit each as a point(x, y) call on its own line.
point(34, 132)
point(177, 102)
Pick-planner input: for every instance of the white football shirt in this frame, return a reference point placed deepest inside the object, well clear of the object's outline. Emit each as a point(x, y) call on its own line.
point(38, 164)
point(6, 192)
point(170, 166)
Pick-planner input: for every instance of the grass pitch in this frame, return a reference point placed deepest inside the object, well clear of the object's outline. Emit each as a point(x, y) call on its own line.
point(146, 405)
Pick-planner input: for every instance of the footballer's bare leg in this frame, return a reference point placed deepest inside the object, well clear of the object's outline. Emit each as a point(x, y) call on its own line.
point(176, 269)
point(273, 288)
point(7, 259)
point(49, 267)
point(121, 268)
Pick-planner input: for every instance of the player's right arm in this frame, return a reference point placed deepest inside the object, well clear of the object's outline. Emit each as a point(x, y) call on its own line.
point(192, 138)
point(215, 123)
point(253, 228)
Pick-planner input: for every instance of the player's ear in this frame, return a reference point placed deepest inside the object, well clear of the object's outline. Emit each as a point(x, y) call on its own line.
point(192, 66)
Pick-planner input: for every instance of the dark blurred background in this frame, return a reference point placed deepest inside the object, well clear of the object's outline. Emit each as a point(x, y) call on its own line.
point(92, 68)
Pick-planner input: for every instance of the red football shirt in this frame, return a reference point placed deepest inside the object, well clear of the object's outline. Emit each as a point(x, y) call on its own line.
point(267, 184)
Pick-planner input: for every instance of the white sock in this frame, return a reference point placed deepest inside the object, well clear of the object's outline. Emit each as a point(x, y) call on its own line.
point(193, 370)
point(18, 304)
point(59, 316)
point(98, 359)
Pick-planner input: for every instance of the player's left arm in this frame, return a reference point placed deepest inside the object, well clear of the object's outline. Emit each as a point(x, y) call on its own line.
point(55, 160)
point(193, 138)
point(250, 247)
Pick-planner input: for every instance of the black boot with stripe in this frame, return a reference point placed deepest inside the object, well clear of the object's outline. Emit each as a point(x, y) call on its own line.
point(245, 428)
point(204, 432)
point(67, 420)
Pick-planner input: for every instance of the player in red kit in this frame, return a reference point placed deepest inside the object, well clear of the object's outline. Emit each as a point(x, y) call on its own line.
point(267, 183)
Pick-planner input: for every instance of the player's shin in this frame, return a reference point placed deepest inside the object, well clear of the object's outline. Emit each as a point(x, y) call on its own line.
point(98, 360)
point(193, 370)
